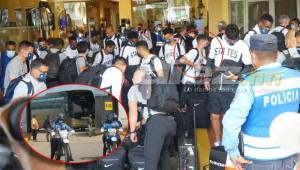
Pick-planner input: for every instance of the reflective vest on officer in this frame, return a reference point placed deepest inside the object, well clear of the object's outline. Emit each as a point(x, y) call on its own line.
point(275, 91)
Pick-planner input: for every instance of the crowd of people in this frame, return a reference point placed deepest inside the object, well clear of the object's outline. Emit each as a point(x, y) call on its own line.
point(227, 66)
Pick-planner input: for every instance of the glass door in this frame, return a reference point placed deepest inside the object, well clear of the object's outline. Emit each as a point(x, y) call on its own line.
point(254, 10)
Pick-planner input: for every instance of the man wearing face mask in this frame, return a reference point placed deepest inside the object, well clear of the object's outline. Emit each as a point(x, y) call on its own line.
point(111, 35)
point(94, 45)
point(295, 24)
point(263, 27)
point(157, 39)
point(263, 96)
point(171, 51)
point(42, 49)
point(17, 66)
point(71, 50)
point(81, 60)
point(6, 57)
point(105, 56)
point(36, 77)
point(228, 61)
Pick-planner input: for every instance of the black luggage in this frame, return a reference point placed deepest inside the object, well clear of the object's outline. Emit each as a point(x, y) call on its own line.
point(197, 100)
point(115, 161)
point(187, 154)
point(136, 158)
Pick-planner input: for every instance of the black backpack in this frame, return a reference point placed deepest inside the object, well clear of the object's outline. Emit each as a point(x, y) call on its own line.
point(280, 40)
point(92, 76)
point(68, 71)
point(91, 60)
point(164, 95)
point(53, 62)
point(244, 35)
point(12, 86)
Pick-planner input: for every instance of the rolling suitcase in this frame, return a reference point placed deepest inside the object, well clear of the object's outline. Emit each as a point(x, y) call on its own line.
point(136, 158)
point(187, 154)
point(115, 161)
point(187, 148)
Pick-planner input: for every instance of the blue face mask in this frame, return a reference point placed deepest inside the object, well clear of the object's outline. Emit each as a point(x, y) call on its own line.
point(264, 31)
point(30, 56)
point(10, 54)
point(168, 41)
point(42, 77)
point(42, 48)
point(298, 49)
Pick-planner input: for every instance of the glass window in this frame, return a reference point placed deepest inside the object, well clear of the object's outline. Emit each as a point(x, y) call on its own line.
point(237, 13)
point(4, 17)
point(288, 7)
point(175, 11)
point(77, 12)
point(256, 10)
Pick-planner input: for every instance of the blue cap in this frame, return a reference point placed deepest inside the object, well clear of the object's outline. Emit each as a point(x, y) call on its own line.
point(263, 42)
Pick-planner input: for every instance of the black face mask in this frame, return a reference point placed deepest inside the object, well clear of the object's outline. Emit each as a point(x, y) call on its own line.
point(73, 48)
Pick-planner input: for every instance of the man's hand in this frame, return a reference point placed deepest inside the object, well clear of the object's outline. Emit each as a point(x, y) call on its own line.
point(231, 76)
point(133, 137)
point(239, 162)
point(207, 86)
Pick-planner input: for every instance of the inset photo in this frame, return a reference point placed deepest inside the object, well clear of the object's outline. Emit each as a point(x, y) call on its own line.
point(73, 124)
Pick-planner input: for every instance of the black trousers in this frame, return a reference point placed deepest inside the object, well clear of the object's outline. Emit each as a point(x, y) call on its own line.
point(34, 133)
point(55, 143)
point(160, 130)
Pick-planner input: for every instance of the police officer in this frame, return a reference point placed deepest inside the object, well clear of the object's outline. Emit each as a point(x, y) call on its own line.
point(160, 127)
point(265, 94)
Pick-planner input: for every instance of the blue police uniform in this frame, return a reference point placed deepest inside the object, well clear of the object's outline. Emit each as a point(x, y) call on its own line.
point(267, 93)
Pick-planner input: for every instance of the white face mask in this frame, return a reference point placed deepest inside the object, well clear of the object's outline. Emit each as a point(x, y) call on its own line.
point(10, 54)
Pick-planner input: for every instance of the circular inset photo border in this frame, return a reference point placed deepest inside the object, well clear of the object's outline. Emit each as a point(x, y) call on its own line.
point(85, 122)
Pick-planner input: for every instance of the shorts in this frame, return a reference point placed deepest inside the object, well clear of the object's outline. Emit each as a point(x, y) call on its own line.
point(219, 101)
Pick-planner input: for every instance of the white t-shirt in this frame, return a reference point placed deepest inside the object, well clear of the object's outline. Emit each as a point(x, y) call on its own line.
point(21, 89)
point(107, 59)
point(146, 65)
point(190, 72)
point(71, 53)
point(279, 29)
point(130, 54)
point(112, 81)
point(195, 43)
point(250, 33)
point(169, 54)
point(118, 43)
point(239, 51)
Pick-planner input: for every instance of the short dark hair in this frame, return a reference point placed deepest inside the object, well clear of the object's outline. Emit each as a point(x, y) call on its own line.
point(297, 34)
point(168, 31)
point(119, 60)
point(202, 37)
point(7, 43)
point(25, 44)
point(58, 42)
point(142, 44)
point(37, 63)
point(94, 34)
point(82, 46)
point(42, 39)
point(132, 35)
point(110, 43)
point(72, 38)
point(232, 31)
point(267, 17)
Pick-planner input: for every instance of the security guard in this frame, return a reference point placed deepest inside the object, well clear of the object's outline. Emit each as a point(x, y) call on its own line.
point(265, 94)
